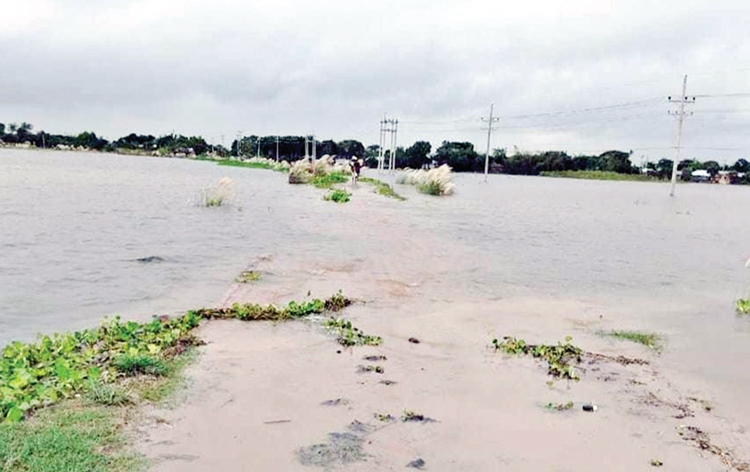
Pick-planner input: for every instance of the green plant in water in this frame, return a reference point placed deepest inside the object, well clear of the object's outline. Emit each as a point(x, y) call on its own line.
point(651, 340)
point(348, 335)
point(60, 366)
point(338, 196)
point(248, 276)
point(560, 358)
point(743, 306)
point(559, 406)
point(383, 188)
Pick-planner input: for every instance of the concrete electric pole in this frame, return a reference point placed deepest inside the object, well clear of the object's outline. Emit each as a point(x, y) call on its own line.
point(489, 121)
point(680, 113)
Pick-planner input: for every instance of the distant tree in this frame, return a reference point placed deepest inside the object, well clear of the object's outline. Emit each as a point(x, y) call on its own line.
point(328, 147)
point(2, 128)
point(371, 156)
point(28, 127)
point(460, 156)
point(89, 140)
point(417, 155)
point(712, 167)
point(13, 127)
point(498, 156)
point(664, 168)
point(616, 161)
point(741, 166)
point(351, 147)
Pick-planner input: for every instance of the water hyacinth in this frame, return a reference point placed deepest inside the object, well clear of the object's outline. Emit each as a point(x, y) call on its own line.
point(432, 182)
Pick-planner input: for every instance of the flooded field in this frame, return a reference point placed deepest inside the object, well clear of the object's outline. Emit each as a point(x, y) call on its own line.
point(84, 236)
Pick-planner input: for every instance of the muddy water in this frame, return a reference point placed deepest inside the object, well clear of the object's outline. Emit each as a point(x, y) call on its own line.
point(73, 227)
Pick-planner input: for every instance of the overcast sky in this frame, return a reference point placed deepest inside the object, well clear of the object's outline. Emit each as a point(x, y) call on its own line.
point(579, 76)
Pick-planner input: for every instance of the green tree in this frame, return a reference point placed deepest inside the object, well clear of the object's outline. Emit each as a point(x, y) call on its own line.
point(417, 155)
point(616, 161)
point(461, 157)
point(712, 167)
point(741, 166)
point(2, 129)
point(664, 168)
point(371, 156)
point(351, 147)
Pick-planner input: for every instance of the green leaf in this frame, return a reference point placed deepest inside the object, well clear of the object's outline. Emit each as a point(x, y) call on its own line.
point(14, 415)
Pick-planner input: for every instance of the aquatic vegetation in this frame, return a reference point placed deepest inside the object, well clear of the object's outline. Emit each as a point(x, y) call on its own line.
point(432, 182)
point(338, 196)
point(337, 302)
point(743, 306)
point(385, 418)
point(559, 406)
point(599, 175)
point(561, 358)
point(651, 340)
point(217, 195)
point(257, 163)
point(63, 365)
point(248, 276)
point(414, 417)
point(656, 463)
point(348, 335)
point(382, 188)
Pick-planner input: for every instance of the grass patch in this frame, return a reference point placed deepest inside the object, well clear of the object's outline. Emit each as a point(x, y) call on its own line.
point(140, 364)
point(650, 340)
point(101, 393)
point(328, 180)
point(561, 358)
point(599, 175)
point(257, 163)
point(338, 196)
point(68, 438)
point(348, 335)
point(248, 276)
point(431, 188)
point(743, 306)
point(382, 188)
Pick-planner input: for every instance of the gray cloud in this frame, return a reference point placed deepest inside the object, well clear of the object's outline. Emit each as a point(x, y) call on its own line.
point(334, 67)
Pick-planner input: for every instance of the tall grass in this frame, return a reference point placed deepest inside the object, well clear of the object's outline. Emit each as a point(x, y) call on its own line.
point(432, 182)
point(217, 195)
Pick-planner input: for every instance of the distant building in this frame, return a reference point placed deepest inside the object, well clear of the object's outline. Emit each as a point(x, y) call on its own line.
point(700, 175)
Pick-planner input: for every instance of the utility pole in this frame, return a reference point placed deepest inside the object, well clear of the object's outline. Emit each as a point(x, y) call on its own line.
point(381, 150)
point(239, 142)
point(307, 154)
point(680, 113)
point(489, 136)
point(394, 149)
point(315, 148)
point(277, 149)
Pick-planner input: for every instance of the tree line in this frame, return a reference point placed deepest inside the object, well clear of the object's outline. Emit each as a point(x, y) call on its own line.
point(460, 156)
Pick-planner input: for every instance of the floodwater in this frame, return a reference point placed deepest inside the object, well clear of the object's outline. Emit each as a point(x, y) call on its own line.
point(73, 227)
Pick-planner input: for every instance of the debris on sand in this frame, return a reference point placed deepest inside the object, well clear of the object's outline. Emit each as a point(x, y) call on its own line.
point(150, 259)
point(375, 358)
point(336, 402)
point(414, 340)
point(418, 463)
point(413, 417)
point(340, 449)
point(702, 440)
point(388, 382)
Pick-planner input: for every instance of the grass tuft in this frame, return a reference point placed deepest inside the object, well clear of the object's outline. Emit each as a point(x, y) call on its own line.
point(248, 276)
point(338, 196)
point(102, 393)
point(561, 358)
point(136, 364)
point(650, 340)
point(382, 188)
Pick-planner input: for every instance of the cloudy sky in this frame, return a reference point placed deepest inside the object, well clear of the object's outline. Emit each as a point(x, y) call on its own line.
point(578, 75)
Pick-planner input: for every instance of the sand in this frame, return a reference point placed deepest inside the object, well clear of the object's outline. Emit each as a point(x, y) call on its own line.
point(286, 397)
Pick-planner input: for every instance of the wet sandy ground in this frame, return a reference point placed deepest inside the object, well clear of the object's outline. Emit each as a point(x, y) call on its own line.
point(273, 397)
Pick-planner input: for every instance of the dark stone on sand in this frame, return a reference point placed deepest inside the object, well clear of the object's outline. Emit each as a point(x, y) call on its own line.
point(417, 464)
point(414, 340)
point(150, 259)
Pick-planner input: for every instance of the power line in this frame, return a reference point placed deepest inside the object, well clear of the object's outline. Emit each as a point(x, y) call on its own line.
point(489, 121)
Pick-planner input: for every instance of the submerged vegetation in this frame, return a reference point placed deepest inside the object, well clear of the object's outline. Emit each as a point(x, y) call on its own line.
point(257, 163)
point(743, 306)
point(650, 340)
point(382, 188)
point(598, 175)
point(561, 358)
point(431, 182)
point(248, 276)
point(348, 335)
